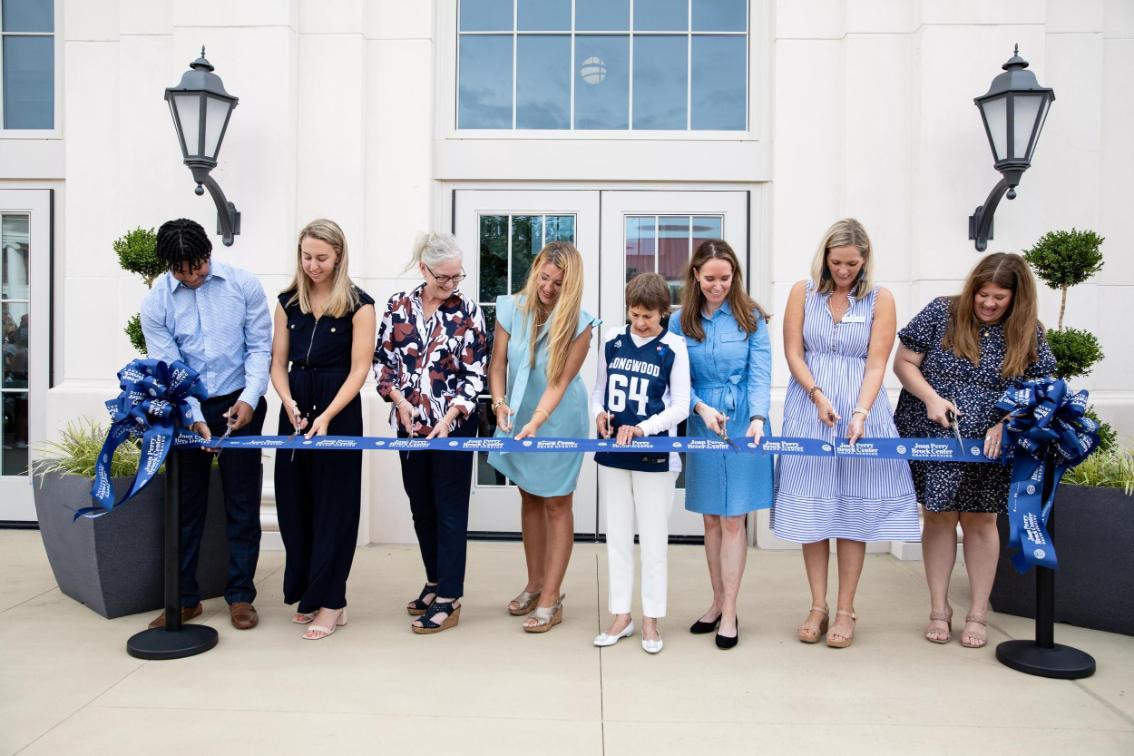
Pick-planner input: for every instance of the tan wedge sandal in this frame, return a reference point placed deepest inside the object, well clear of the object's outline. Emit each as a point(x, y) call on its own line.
point(546, 617)
point(846, 640)
point(523, 603)
point(809, 633)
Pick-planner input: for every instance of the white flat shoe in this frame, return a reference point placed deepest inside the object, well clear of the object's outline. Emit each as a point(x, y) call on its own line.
point(653, 646)
point(602, 639)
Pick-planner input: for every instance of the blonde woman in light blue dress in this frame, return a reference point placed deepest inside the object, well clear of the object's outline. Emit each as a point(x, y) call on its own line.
point(541, 339)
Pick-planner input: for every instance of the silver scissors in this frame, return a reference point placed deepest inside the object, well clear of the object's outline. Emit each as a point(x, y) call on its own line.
point(296, 432)
point(952, 417)
point(227, 433)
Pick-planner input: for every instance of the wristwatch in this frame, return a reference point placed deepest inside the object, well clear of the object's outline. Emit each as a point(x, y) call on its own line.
point(761, 418)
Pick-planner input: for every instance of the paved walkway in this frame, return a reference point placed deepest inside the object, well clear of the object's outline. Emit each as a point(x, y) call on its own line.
point(67, 685)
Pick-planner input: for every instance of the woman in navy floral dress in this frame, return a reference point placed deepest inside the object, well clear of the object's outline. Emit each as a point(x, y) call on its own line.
point(956, 358)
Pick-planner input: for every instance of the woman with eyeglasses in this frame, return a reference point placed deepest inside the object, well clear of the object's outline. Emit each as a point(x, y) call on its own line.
point(430, 364)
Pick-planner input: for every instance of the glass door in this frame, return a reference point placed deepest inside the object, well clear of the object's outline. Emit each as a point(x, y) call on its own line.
point(657, 232)
point(25, 247)
point(501, 233)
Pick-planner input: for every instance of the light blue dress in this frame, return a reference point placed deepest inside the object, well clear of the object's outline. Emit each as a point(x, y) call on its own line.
point(543, 474)
point(731, 371)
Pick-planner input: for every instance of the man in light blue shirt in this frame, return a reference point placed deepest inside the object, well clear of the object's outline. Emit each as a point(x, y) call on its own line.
point(214, 317)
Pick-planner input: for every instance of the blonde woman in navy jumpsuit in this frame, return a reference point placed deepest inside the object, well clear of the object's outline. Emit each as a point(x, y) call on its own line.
point(324, 329)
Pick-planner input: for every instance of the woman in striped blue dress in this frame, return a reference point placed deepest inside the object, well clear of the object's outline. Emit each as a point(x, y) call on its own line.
point(838, 332)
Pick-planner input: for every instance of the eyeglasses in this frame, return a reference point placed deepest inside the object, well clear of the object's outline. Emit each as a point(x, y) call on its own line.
point(446, 280)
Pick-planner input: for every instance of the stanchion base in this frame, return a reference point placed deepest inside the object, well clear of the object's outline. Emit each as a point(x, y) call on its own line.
point(159, 643)
point(1061, 662)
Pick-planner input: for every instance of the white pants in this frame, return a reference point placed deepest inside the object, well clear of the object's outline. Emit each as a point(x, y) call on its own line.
point(649, 495)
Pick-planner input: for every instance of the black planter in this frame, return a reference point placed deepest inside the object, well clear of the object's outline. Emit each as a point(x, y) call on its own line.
point(1094, 540)
point(113, 563)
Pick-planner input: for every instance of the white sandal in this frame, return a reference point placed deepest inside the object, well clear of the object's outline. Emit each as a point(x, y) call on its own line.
point(326, 631)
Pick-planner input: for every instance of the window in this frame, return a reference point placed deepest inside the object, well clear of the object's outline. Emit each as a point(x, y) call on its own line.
point(508, 245)
point(665, 243)
point(664, 65)
point(14, 374)
point(27, 63)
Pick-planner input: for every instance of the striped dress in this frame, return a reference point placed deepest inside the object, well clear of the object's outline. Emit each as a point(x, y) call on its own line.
point(857, 499)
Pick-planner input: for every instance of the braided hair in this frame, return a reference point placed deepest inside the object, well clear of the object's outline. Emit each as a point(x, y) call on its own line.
point(183, 241)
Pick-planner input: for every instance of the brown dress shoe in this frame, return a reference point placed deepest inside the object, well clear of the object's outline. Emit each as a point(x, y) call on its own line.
point(187, 613)
point(243, 615)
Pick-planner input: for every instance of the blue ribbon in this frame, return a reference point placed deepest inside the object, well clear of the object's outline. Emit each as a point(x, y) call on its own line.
point(152, 405)
point(920, 449)
point(1046, 435)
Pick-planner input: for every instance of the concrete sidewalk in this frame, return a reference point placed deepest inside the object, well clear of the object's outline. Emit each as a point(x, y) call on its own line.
point(487, 687)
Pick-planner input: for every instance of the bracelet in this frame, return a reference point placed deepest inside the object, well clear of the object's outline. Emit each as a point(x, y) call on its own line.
point(761, 418)
point(496, 405)
point(811, 392)
point(861, 411)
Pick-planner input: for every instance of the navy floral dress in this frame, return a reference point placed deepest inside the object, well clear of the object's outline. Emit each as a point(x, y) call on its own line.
point(953, 486)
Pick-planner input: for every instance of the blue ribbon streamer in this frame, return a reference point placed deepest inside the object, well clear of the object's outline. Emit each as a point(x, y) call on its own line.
point(152, 405)
point(920, 449)
point(1046, 435)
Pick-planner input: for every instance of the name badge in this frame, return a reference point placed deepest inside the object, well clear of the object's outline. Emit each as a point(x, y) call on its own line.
point(854, 319)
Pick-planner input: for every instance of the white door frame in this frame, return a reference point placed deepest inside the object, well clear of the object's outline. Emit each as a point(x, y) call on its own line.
point(616, 205)
point(496, 509)
point(16, 502)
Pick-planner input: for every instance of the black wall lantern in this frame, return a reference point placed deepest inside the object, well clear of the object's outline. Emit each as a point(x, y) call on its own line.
point(1013, 110)
point(201, 108)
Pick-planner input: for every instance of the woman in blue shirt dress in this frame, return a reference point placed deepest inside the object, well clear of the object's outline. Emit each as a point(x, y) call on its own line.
point(730, 363)
point(540, 342)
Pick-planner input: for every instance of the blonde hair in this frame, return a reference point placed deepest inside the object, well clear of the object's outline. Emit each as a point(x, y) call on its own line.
point(564, 316)
point(434, 248)
point(1021, 340)
point(847, 232)
point(344, 296)
point(693, 301)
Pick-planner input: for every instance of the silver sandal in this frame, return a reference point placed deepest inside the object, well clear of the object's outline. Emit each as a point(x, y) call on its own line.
point(524, 603)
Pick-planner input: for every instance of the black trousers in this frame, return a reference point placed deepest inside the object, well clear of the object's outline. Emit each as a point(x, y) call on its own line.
point(241, 478)
point(437, 484)
point(318, 498)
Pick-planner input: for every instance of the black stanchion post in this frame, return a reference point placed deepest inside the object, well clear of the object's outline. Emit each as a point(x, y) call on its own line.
point(1043, 656)
point(175, 640)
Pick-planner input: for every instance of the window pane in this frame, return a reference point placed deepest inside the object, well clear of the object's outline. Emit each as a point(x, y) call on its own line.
point(602, 82)
point(527, 241)
point(719, 71)
point(640, 237)
point(661, 15)
point(543, 82)
point(706, 227)
point(558, 228)
point(543, 15)
point(720, 15)
point(673, 250)
point(486, 15)
point(15, 433)
point(659, 82)
point(602, 15)
point(14, 248)
point(29, 16)
point(29, 83)
point(485, 90)
point(493, 257)
point(15, 345)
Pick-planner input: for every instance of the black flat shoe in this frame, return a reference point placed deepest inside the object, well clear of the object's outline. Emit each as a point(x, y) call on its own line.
point(704, 628)
point(724, 642)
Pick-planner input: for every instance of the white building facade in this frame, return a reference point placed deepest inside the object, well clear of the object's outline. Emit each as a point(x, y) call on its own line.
point(632, 127)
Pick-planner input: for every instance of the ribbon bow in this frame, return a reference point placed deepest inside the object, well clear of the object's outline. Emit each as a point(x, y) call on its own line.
point(152, 405)
point(1046, 435)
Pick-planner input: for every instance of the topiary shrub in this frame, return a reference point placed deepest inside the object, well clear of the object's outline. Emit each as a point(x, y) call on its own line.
point(1062, 259)
point(137, 253)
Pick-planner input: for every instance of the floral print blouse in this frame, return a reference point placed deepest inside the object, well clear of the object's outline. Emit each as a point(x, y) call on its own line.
point(436, 363)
